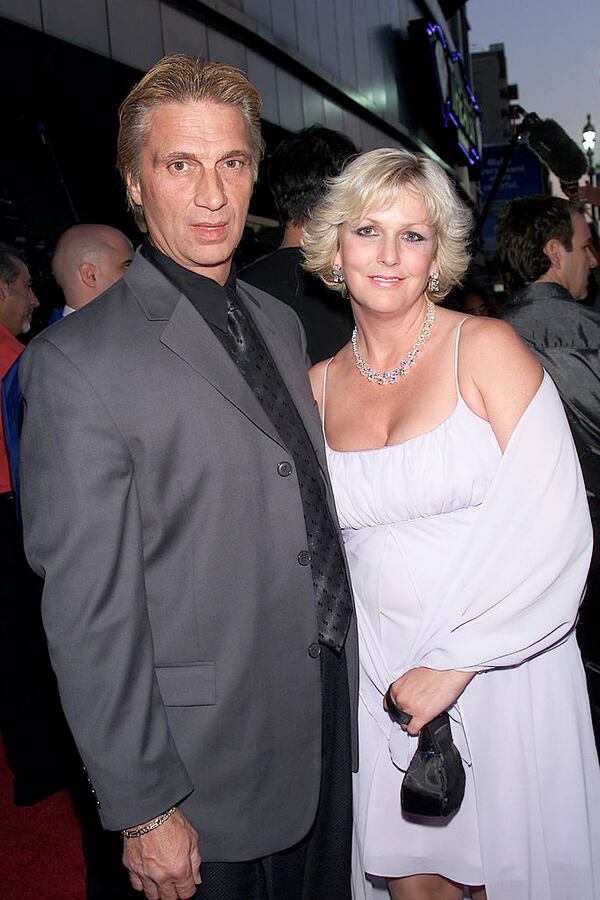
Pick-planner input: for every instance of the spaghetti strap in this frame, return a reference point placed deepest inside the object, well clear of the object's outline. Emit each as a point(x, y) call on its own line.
point(327, 364)
point(458, 327)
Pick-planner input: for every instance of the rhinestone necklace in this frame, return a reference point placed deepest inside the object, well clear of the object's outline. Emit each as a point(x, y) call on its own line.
point(393, 375)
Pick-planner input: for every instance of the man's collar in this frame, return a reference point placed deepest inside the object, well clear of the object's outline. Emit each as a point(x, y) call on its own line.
point(541, 290)
point(206, 295)
point(5, 333)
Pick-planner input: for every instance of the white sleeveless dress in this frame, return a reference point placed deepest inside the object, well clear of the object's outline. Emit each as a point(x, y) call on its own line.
point(403, 509)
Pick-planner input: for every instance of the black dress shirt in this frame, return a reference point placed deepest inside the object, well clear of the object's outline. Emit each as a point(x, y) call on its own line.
point(208, 297)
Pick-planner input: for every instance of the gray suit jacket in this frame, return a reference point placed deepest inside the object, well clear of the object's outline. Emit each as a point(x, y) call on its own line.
point(177, 614)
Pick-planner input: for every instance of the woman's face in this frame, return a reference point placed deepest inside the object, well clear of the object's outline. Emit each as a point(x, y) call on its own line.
point(388, 257)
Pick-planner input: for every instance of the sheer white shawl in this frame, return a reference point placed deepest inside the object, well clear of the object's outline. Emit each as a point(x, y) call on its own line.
point(505, 605)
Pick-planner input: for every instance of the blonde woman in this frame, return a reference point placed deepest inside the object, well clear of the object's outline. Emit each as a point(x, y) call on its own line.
point(467, 533)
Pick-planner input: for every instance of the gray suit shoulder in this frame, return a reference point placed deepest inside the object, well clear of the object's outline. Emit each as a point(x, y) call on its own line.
point(91, 328)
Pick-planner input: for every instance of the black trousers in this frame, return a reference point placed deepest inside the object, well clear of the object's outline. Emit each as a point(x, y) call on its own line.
point(106, 878)
point(318, 867)
point(38, 745)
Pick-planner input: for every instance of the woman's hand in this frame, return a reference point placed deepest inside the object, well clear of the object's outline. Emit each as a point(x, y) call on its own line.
point(425, 693)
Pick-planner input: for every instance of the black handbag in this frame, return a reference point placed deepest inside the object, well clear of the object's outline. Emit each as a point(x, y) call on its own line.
point(434, 784)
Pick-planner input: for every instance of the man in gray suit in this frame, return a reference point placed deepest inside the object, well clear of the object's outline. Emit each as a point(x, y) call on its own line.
point(175, 499)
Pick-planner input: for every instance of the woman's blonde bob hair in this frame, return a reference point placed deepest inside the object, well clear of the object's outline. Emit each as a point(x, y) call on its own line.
point(372, 181)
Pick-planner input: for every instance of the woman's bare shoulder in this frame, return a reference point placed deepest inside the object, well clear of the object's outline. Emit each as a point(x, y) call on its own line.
point(501, 370)
point(491, 345)
point(487, 328)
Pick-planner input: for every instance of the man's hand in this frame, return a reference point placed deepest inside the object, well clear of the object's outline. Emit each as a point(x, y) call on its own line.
point(425, 693)
point(165, 862)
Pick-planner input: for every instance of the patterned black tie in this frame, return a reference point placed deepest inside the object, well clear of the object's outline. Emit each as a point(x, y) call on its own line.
point(334, 605)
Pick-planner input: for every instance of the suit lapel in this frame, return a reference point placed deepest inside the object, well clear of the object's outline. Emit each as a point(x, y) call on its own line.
point(189, 337)
point(288, 361)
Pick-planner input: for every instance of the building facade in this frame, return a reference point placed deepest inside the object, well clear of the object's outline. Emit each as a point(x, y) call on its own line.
point(495, 94)
point(385, 72)
point(525, 173)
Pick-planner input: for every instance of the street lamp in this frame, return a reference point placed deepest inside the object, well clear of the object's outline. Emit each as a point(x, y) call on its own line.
point(588, 140)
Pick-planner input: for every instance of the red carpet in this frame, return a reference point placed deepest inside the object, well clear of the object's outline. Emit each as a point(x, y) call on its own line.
point(40, 848)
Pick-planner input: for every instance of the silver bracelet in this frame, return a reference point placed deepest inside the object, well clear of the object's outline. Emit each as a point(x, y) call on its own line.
point(149, 826)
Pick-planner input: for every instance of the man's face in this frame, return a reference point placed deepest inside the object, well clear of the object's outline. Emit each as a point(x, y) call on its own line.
point(113, 260)
point(575, 264)
point(18, 301)
point(195, 184)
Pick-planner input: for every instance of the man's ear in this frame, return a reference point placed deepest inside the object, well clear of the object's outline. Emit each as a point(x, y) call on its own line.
point(555, 251)
point(133, 188)
point(87, 273)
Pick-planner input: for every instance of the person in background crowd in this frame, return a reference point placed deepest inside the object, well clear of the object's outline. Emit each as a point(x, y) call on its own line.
point(590, 194)
point(474, 301)
point(546, 253)
point(298, 173)
point(88, 259)
point(30, 718)
point(17, 303)
point(196, 599)
point(468, 538)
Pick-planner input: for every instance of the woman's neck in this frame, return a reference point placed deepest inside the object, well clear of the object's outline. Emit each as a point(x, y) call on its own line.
point(384, 338)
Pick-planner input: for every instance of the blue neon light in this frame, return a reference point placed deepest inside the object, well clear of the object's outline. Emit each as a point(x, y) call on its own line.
point(435, 32)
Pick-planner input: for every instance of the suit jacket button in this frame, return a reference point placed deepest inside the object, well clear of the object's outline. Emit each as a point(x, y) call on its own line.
point(284, 469)
point(314, 651)
point(304, 557)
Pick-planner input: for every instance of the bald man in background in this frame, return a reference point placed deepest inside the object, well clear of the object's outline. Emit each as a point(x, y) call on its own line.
point(88, 259)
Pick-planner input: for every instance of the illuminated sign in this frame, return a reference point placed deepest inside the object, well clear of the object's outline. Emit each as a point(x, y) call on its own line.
point(459, 105)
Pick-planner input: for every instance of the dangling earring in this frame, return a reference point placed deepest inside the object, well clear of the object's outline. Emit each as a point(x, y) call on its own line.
point(434, 282)
point(337, 275)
